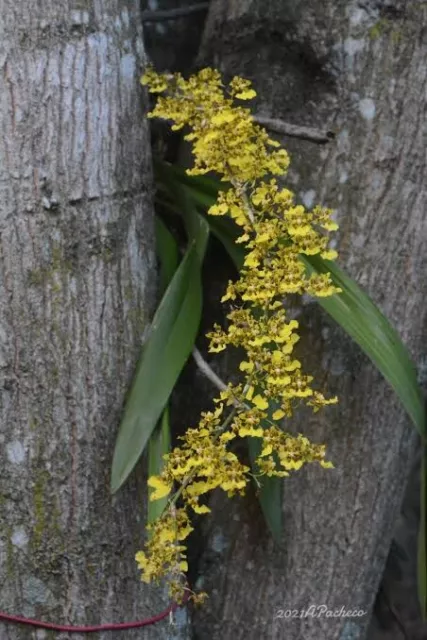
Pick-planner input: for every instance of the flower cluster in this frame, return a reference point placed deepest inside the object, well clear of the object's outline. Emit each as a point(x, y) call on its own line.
point(275, 232)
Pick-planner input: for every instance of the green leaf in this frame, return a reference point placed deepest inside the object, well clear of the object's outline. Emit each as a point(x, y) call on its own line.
point(167, 251)
point(180, 199)
point(226, 232)
point(159, 442)
point(363, 321)
point(160, 439)
point(422, 540)
point(169, 344)
point(159, 445)
point(196, 225)
point(270, 494)
point(202, 190)
point(205, 185)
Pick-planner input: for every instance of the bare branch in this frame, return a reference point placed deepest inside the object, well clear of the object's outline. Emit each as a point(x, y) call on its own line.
point(207, 371)
point(216, 381)
point(295, 131)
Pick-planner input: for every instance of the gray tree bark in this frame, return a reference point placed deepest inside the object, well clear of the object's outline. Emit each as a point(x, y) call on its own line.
point(77, 278)
point(357, 69)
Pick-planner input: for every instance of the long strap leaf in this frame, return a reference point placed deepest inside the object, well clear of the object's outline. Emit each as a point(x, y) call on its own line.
point(165, 352)
point(160, 439)
point(363, 321)
point(167, 251)
point(158, 446)
point(422, 539)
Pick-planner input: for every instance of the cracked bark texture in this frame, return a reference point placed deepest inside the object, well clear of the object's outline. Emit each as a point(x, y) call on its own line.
point(77, 280)
point(357, 68)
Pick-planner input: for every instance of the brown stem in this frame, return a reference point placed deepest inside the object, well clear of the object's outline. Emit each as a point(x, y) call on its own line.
point(295, 131)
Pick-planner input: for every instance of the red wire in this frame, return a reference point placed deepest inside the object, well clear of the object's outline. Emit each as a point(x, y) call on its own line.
point(92, 628)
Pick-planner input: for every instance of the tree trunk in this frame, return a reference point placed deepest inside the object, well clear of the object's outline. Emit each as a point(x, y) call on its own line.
point(76, 292)
point(357, 69)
